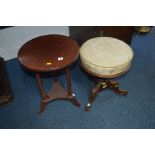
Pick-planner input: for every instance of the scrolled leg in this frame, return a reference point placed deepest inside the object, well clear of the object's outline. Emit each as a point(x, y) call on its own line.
point(114, 85)
point(94, 92)
point(118, 91)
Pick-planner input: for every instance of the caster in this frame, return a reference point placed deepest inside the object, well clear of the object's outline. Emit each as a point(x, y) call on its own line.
point(87, 107)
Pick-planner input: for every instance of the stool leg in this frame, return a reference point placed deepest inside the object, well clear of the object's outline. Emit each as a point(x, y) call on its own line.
point(114, 85)
point(94, 92)
point(43, 93)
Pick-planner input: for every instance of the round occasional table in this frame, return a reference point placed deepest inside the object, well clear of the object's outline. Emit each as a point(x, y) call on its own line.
point(51, 53)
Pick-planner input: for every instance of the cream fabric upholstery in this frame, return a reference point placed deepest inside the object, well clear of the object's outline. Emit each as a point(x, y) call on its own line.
point(106, 56)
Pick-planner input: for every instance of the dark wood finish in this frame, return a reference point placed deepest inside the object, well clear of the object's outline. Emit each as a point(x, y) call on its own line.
point(101, 85)
point(6, 94)
point(38, 52)
point(120, 32)
point(56, 92)
point(41, 55)
point(41, 88)
point(68, 81)
point(83, 33)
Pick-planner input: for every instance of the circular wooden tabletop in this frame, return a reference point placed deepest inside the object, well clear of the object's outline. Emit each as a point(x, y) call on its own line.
point(48, 53)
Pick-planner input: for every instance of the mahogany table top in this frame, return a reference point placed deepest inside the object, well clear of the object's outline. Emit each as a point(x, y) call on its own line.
point(48, 53)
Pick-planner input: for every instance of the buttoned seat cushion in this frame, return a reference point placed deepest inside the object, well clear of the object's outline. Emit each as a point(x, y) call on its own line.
point(106, 56)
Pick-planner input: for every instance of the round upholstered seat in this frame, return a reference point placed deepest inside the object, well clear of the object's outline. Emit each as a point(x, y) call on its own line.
point(106, 56)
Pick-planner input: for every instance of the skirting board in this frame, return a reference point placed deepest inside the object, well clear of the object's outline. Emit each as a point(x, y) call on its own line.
point(11, 39)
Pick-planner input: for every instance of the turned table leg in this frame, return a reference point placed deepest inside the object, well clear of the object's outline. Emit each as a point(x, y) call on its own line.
point(43, 93)
point(69, 89)
point(57, 91)
point(69, 85)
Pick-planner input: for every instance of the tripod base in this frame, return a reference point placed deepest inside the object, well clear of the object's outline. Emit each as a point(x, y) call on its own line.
point(101, 85)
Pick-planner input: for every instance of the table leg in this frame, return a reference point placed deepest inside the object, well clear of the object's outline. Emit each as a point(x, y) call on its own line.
point(43, 93)
point(69, 85)
point(57, 91)
point(69, 88)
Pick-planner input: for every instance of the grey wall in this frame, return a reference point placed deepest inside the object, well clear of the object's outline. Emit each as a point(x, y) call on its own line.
point(11, 39)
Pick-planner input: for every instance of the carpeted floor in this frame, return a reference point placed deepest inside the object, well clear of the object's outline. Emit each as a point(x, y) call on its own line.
point(137, 110)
